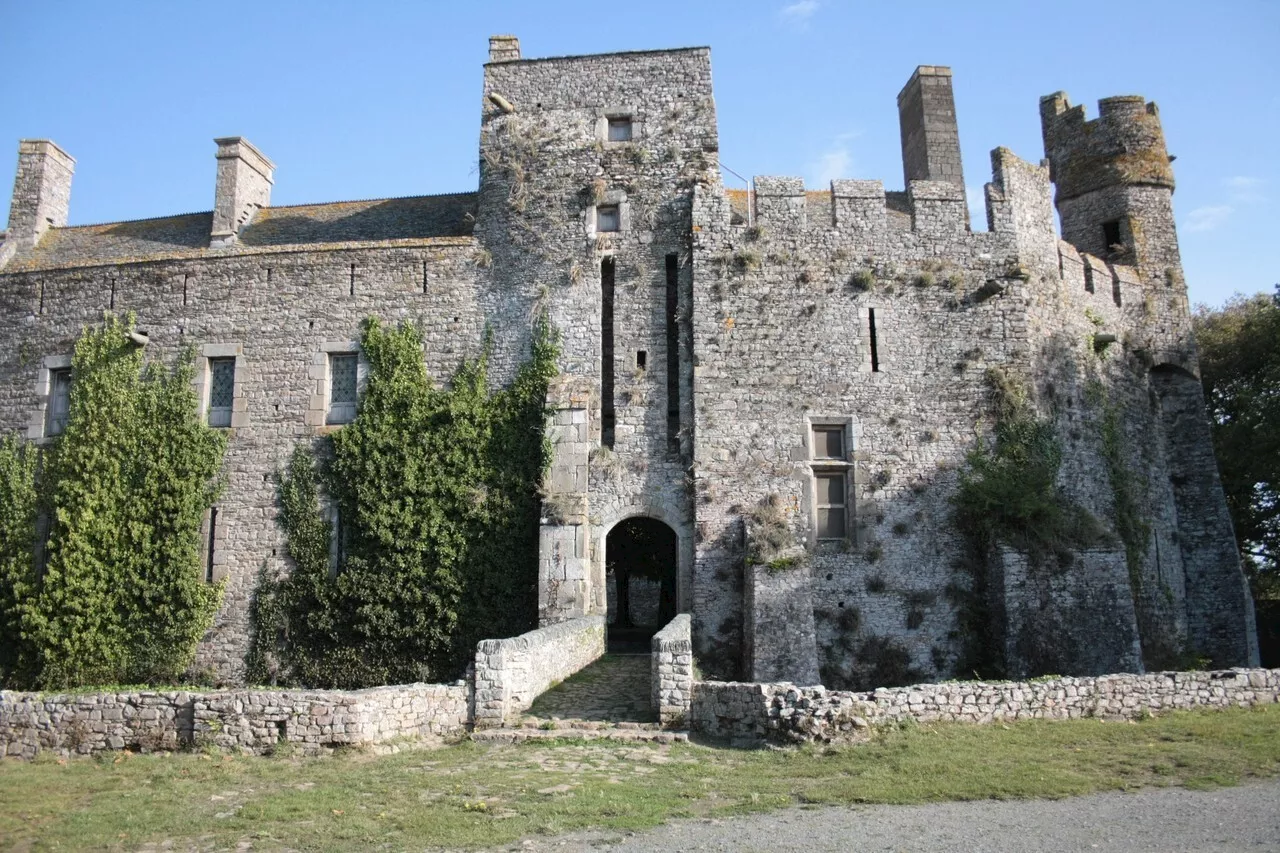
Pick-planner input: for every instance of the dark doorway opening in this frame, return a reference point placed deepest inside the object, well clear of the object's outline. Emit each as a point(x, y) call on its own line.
point(640, 567)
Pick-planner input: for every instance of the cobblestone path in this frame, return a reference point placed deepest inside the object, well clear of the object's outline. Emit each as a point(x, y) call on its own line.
point(614, 689)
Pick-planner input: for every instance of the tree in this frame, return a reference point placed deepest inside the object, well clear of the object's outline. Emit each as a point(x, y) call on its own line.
point(117, 594)
point(436, 492)
point(1240, 367)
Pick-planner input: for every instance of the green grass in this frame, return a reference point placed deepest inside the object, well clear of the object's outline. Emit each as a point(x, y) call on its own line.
point(467, 795)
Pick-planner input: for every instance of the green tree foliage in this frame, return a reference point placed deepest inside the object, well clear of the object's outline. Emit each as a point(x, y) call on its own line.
point(18, 502)
point(436, 491)
point(1240, 367)
point(118, 594)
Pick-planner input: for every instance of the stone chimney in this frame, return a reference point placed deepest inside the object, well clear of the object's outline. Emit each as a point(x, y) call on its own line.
point(244, 186)
point(930, 136)
point(504, 48)
point(41, 192)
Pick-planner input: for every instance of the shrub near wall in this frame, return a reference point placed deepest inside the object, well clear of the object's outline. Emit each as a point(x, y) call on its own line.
point(436, 491)
point(116, 593)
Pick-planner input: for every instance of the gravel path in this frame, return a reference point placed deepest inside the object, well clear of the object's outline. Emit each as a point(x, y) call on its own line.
point(1169, 819)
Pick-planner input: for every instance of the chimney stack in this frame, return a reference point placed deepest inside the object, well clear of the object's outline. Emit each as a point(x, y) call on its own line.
point(41, 192)
point(930, 135)
point(244, 186)
point(504, 48)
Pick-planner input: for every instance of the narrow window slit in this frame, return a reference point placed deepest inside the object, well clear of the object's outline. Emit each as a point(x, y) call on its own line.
point(113, 294)
point(41, 286)
point(424, 276)
point(875, 347)
point(186, 277)
point(213, 533)
point(353, 279)
point(1111, 237)
point(673, 352)
point(608, 418)
point(268, 275)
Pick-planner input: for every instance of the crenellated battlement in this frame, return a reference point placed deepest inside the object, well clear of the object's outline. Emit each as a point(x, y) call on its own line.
point(1123, 146)
point(819, 359)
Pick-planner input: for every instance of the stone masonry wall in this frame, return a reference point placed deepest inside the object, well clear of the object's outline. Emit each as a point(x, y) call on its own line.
point(511, 673)
point(250, 721)
point(783, 713)
point(672, 672)
point(283, 308)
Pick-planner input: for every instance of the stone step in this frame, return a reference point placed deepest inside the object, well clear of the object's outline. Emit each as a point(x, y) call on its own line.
point(628, 735)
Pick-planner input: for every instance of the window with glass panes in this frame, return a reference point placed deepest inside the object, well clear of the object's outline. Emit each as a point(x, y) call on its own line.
point(829, 452)
point(222, 389)
point(342, 387)
point(59, 402)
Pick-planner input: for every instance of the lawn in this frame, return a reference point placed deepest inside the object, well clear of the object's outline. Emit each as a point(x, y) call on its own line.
point(468, 795)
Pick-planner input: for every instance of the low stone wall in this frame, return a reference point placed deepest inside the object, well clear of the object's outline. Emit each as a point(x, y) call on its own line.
point(783, 713)
point(511, 673)
point(672, 672)
point(255, 721)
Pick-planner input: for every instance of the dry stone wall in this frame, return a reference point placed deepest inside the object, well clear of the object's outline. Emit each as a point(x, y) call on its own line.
point(672, 672)
point(784, 713)
point(250, 721)
point(511, 673)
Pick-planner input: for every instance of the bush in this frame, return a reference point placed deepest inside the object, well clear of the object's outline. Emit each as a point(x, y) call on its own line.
point(118, 595)
point(437, 495)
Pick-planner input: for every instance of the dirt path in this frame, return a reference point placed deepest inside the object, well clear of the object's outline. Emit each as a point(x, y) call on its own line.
point(1246, 818)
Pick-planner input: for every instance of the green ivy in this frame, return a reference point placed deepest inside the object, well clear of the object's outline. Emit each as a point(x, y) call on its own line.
point(1008, 494)
point(436, 490)
point(118, 596)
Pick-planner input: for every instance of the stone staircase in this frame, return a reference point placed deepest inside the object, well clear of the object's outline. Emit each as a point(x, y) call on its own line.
point(608, 700)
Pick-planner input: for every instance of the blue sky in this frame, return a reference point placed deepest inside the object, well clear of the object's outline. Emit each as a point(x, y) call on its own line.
point(382, 99)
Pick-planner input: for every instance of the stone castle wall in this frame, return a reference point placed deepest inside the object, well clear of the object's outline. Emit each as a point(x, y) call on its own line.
point(703, 342)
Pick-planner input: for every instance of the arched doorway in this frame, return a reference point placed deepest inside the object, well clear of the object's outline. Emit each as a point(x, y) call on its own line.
point(641, 559)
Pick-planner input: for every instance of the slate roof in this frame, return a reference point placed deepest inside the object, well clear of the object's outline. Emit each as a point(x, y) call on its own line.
point(412, 218)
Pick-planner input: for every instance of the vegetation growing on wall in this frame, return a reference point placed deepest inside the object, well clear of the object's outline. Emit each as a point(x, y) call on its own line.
point(117, 593)
point(436, 493)
point(1008, 494)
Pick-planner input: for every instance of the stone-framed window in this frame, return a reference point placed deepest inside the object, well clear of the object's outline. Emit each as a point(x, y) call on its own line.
point(338, 535)
point(59, 401)
point(831, 493)
point(608, 218)
point(343, 387)
point(618, 125)
point(219, 386)
point(53, 399)
point(828, 446)
point(222, 386)
point(339, 372)
point(213, 537)
point(610, 214)
point(619, 128)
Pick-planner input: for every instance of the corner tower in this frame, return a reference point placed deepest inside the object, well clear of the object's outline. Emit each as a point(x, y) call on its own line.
point(1114, 180)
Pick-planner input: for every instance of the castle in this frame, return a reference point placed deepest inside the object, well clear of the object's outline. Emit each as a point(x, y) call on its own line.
point(819, 361)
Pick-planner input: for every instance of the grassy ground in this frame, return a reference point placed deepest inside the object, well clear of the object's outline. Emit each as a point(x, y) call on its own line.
point(467, 795)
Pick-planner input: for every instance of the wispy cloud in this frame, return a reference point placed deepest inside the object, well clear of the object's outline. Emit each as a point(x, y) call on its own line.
point(1208, 217)
point(1241, 191)
point(1244, 189)
point(798, 14)
point(836, 161)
